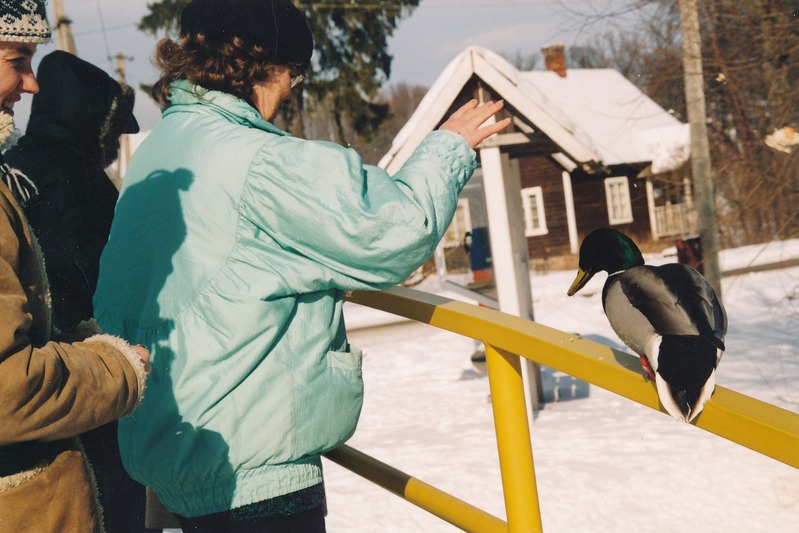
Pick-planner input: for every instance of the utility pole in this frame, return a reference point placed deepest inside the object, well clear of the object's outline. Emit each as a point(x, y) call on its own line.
point(121, 67)
point(63, 29)
point(124, 143)
point(700, 148)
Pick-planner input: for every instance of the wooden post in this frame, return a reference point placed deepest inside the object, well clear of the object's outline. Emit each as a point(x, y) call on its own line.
point(509, 253)
point(510, 259)
point(124, 142)
point(63, 29)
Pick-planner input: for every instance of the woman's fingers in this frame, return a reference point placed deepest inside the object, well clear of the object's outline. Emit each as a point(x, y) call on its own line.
point(471, 104)
point(469, 120)
point(496, 127)
point(487, 110)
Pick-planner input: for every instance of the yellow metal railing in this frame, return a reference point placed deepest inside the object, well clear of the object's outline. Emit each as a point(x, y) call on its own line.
point(757, 425)
point(429, 498)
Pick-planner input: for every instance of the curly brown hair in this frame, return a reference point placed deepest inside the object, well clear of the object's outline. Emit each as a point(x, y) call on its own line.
point(231, 67)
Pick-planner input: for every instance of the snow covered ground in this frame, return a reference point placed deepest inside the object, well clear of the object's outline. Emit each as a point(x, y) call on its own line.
point(603, 464)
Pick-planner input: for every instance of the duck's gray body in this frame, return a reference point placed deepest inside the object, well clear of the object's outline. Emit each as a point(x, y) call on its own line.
point(673, 299)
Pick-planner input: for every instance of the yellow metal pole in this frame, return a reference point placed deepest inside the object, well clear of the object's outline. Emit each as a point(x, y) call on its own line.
point(429, 498)
point(513, 441)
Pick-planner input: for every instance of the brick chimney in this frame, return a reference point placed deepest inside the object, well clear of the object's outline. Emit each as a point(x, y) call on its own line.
point(555, 59)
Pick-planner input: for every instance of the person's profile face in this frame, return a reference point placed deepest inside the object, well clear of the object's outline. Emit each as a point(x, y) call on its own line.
point(16, 74)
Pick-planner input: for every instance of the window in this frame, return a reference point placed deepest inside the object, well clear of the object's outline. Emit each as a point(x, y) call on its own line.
point(617, 193)
point(534, 220)
point(461, 223)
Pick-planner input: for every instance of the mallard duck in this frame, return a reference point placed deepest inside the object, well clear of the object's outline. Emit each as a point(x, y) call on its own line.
point(669, 315)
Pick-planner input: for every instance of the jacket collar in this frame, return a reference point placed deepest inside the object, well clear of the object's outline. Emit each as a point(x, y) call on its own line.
point(183, 93)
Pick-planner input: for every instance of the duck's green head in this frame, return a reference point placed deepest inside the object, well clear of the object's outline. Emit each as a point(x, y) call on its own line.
point(605, 249)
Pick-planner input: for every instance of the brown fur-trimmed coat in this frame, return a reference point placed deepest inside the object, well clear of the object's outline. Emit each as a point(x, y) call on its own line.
point(49, 393)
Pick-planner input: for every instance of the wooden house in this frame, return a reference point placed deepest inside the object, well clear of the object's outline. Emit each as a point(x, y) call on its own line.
point(585, 149)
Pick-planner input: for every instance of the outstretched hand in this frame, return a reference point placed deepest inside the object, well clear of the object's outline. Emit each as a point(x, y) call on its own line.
point(468, 121)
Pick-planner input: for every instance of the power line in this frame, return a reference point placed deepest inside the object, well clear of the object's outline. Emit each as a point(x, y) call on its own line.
point(105, 34)
point(109, 28)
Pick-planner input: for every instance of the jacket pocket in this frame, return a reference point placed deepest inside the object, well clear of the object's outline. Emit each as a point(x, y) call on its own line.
point(328, 409)
point(349, 360)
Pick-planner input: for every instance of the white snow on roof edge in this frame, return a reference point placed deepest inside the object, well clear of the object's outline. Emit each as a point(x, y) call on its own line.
point(670, 146)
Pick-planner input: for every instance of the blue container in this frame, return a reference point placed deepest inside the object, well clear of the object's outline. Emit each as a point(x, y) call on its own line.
point(479, 248)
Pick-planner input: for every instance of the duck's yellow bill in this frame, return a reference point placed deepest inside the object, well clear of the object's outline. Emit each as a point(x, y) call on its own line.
point(579, 282)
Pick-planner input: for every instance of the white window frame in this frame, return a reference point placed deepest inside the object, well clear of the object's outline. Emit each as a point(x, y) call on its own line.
point(622, 183)
point(536, 193)
point(459, 233)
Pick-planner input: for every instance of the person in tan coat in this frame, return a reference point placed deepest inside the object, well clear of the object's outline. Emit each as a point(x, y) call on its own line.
point(51, 388)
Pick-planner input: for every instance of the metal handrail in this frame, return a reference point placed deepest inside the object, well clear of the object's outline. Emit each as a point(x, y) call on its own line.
point(429, 498)
point(762, 427)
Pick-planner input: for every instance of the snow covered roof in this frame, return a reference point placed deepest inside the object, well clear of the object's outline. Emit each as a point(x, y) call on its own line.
point(594, 115)
point(606, 111)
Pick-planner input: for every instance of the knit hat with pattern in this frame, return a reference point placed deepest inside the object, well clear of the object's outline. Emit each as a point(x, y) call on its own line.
point(24, 21)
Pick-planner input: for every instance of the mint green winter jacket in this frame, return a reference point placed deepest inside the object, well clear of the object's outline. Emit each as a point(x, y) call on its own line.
point(230, 251)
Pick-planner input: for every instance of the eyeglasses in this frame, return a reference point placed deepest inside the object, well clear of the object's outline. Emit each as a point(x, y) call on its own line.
point(296, 80)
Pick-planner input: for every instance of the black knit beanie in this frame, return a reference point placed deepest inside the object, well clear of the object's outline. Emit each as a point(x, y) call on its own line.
point(274, 24)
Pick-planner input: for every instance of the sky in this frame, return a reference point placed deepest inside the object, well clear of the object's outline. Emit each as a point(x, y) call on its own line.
point(603, 463)
point(422, 45)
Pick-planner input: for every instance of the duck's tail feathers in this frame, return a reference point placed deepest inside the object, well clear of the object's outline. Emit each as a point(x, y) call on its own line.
point(686, 374)
point(718, 343)
point(678, 404)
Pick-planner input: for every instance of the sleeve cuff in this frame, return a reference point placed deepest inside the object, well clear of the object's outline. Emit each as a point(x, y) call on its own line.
point(130, 354)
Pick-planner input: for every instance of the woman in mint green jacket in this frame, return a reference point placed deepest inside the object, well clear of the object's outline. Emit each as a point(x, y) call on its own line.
point(231, 249)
